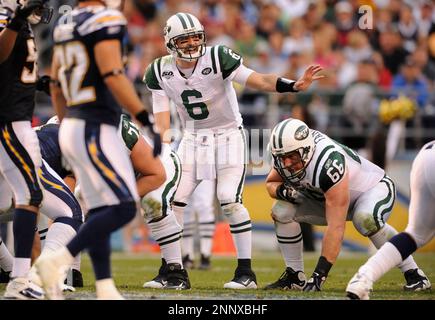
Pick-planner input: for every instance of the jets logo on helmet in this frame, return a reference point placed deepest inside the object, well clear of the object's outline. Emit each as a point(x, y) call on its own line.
point(181, 26)
point(301, 133)
point(292, 139)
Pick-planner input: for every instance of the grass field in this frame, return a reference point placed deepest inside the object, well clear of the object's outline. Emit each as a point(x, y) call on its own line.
point(130, 272)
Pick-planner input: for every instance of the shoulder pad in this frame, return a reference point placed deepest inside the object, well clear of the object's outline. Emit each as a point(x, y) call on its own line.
point(152, 76)
point(228, 60)
point(106, 18)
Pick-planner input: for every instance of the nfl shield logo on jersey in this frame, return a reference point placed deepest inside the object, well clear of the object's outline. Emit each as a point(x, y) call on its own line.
point(206, 71)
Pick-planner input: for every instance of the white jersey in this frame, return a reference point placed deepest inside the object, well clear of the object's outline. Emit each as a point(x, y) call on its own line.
point(206, 99)
point(330, 161)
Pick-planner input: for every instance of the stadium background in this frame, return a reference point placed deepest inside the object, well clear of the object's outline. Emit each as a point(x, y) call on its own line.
point(365, 64)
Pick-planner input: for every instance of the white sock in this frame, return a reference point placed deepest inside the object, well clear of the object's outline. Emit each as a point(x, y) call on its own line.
point(58, 235)
point(77, 262)
point(206, 232)
point(20, 267)
point(241, 229)
point(6, 259)
point(381, 262)
point(382, 236)
point(289, 236)
point(167, 233)
point(179, 213)
point(188, 239)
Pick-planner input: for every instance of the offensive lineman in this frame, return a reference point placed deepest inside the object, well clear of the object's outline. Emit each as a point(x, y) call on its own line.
point(198, 79)
point(319, 181)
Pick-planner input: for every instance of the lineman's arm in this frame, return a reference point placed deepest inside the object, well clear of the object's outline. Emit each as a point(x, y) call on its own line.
point(152, 172)
point(336, 205)
point(273, 83)
point(57, 98)
point(273, 181)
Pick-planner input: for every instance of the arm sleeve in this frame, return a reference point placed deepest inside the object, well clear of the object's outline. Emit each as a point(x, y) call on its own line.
point(160, 101)
point(242, 74)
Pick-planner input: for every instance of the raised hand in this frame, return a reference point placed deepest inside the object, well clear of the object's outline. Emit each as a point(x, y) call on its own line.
point(310, 75)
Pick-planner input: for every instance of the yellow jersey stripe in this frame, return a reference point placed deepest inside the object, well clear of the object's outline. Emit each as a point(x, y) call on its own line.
point(93, 151)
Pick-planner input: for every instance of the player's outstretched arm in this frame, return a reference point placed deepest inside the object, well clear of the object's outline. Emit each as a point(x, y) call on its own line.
point(273, 83)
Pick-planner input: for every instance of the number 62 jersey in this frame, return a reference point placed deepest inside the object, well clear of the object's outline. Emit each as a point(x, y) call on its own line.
point(206, 99)
point(330, 162)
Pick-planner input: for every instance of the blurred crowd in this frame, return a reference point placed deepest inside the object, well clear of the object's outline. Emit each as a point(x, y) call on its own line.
point(369, 49)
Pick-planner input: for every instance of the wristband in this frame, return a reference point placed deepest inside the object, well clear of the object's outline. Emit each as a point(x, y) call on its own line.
point(323, 266)
point(115, 72)
point(285, 85)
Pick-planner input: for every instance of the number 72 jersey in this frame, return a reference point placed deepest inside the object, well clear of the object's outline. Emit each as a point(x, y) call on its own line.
point(206, 99)
point(83, 87)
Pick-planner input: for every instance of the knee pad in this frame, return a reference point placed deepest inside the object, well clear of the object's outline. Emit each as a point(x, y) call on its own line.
point(366, 224)
point(235, 213)
point(166, 230)
point(282, 212)
point(152, 208)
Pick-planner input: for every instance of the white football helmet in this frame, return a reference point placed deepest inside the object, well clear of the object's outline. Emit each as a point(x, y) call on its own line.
point(288, 136)
point(42, 15)
point(184, 25)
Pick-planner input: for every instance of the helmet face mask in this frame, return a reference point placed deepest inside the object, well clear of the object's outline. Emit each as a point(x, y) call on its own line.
point(178, 30)
point(292, 147)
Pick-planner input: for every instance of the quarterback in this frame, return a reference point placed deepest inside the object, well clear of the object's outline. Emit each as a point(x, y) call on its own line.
point(319, 181)
point(198, 80)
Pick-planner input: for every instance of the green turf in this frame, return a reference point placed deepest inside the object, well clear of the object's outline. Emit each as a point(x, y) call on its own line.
point(130, 272)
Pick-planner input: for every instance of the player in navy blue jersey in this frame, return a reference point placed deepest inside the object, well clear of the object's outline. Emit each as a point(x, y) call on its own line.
point(88, 86)
point(59, 203)
point(20, 157)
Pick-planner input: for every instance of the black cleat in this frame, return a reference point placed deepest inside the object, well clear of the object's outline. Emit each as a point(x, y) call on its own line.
point(160, 281)
point(289, 280)
point(177, 278)
point(416, 280)
point(4, 276)
point(205, 263)
point(243, 279)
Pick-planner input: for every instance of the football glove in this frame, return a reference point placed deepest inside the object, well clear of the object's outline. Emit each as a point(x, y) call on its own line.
point(43, 84)
point(287, 193)
point(315, 282)
point(22, 13)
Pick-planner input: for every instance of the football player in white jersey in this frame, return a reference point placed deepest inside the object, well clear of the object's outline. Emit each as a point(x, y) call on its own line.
point(198, 79)
point(199, 213)
point(156, 204)
point(420, 229)
point(319, 181)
